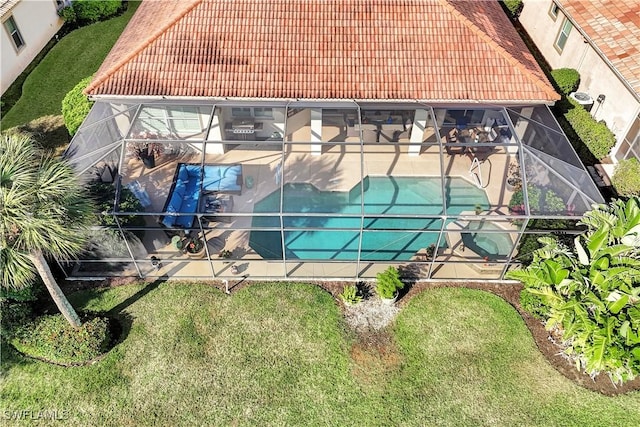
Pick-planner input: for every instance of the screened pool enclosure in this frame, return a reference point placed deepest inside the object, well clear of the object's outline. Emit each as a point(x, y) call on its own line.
point(322, 190)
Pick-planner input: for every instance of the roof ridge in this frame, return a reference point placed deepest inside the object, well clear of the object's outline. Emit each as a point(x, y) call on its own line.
point(141, 46)
point(498, 48)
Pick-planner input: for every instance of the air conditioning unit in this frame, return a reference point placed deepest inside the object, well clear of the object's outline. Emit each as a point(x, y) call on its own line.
point(583, 99)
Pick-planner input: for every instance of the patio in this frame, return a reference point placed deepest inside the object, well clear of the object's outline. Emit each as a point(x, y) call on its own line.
point(332, 149)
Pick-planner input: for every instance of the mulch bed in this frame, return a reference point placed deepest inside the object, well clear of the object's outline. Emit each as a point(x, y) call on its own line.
point(509, 292)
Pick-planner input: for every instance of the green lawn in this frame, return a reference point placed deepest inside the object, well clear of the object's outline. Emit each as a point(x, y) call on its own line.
point(77, 55)
point(279, 354)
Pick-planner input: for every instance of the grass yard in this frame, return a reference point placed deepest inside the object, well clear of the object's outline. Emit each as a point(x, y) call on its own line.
point(280, 354)
point(77, 55)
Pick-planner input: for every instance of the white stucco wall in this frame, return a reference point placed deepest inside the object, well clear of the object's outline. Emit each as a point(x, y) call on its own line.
point(38, 22)
point(620, 106)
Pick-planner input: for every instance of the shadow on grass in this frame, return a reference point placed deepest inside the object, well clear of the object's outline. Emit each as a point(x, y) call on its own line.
point(124, 321)
point(49, 131)
point(11, 358)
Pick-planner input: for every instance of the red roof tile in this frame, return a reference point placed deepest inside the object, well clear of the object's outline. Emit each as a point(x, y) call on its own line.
point(436, 50)
point(614, 27)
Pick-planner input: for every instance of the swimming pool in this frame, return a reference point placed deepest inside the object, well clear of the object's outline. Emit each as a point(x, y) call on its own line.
point(339, 237)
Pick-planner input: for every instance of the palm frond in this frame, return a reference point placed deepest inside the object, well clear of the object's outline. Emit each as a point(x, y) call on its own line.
point(43, 207)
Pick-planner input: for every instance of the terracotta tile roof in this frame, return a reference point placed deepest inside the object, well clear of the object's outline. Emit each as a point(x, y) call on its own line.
point(7, 5)
point(435, 50)
point(614, 27)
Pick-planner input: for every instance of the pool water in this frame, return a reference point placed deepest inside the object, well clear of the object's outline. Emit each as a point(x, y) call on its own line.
point(380, 241)
point(486, 244)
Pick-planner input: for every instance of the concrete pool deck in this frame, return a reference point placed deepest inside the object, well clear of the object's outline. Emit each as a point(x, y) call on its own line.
point(337, 168)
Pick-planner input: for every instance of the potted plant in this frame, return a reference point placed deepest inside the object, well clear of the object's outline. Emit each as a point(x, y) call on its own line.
point(430, 250)
point(195, 247)
point(349, 295)
point(514, 179)
point(145, 152)
point(388, 284)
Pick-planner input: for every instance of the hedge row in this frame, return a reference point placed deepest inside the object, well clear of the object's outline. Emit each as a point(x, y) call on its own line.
point(84, 12)
point(514, 7)
point(595, 135)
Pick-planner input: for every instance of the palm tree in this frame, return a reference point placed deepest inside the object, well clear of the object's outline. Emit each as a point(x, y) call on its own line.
point(43, 212)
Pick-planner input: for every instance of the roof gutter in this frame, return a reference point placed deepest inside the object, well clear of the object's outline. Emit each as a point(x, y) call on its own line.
point(223, 99)
point(600, 53)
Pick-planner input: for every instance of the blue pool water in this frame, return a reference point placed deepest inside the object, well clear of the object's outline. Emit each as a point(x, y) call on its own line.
point(493, 246)
point(382, 195)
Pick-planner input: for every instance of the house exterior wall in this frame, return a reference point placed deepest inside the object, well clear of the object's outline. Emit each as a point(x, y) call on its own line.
point(38, 22)
point(621, 106)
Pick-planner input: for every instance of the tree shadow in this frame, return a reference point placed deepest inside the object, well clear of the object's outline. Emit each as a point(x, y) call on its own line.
point(49, 131)
point(123, 319)
point(135, 297)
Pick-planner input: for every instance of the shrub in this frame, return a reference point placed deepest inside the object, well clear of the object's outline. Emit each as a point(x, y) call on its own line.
point(16, 307)
point(388, 283)
point(350, 295)
point(76, 106)
point(13, 314)
point(626, 178)
point(514, 7)
point(26, 294)
point(596, 136)
point(566, 80)
point(85, 12)
point(52, 338)
point(534, 305)
point(539, 201)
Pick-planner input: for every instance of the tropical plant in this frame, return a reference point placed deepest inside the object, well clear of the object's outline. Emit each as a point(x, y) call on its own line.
point(558, 228)
point(592, 293)
point(388, 283)
point(533, 304)
point(350, 295)
point(103, 195)
point(44, 211)
point(76, 106)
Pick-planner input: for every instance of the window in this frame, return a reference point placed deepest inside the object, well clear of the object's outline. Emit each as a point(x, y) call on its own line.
point(563, 35)
point(630, 146)
point(553, 12)
point(13, 31)
point(241, 112)
point(263, 112)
